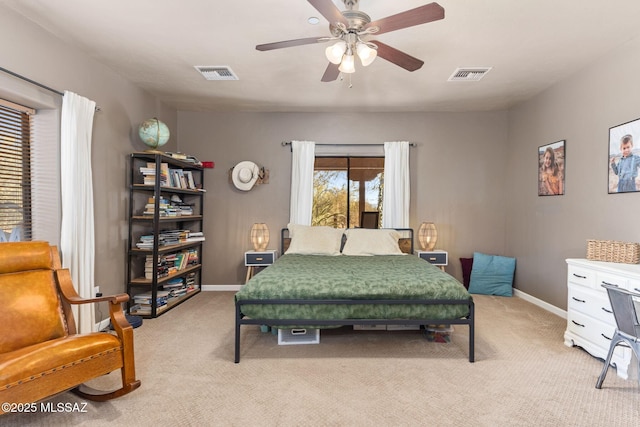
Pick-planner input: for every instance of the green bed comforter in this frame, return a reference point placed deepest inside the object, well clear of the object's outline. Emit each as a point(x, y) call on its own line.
point(315, 277)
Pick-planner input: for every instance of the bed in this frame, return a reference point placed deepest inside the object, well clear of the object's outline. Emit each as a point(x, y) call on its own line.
point(329, 278)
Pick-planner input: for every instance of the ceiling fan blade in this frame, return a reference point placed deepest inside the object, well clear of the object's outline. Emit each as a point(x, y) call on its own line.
point(331, 73)
point(291, 43)
point(329, 11)
point(399, 58)
point(420, 15)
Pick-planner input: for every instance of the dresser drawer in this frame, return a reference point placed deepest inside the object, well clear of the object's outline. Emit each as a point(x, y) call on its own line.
point(581, 276)
point(435, 257)
point(590, 302)
point(634, 285)
point(611, 279)
point(252, 258)
point(596, 333)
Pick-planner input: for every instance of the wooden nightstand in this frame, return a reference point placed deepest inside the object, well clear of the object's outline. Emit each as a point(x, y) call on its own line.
point(435, 257)
point(258, 259)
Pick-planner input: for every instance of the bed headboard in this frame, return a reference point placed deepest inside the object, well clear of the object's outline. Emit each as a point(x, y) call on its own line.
point(405, 242)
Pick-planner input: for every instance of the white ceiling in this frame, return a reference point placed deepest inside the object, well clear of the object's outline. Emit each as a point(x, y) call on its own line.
point(531, 44)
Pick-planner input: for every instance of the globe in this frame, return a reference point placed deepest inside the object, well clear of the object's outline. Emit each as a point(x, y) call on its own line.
point(154, 133)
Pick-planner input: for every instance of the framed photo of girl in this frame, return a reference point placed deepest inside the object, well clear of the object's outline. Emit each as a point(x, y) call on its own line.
point(551, 161)
point(624, 157)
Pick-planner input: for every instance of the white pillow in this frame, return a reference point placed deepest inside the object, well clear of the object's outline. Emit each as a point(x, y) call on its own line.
point(319, 240)
point(363, 242)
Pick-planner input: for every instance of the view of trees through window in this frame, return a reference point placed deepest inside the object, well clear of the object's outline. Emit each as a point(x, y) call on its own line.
point(343, 187)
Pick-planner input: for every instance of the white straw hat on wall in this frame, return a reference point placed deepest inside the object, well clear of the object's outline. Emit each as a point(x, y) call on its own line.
point(244, 175)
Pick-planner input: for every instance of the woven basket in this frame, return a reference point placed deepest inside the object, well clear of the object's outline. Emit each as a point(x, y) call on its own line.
point(612, 251)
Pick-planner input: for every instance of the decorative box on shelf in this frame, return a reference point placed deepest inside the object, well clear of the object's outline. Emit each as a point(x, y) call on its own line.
point(435, 257)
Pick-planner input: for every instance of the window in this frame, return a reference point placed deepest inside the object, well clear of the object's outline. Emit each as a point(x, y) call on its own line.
point(15, 171)
point(344, 187)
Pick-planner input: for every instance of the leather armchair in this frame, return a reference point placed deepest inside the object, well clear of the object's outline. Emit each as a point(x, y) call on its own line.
point(41, 353)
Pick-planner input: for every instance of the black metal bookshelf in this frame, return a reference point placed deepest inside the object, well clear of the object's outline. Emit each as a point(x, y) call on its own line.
point(163, 232)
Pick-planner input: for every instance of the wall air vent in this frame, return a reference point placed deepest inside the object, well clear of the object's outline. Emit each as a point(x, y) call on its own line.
point(469, 74)
point(216, 72)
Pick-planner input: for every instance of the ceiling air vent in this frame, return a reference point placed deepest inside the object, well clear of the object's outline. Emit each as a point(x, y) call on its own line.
point(469, 74)
point(216, 72)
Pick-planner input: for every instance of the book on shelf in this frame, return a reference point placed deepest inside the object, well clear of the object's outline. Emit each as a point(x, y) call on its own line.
point(172, 284)
point(179, 156)
point(146, 298)
point(149, 174)
point(164, 175)
point(180, 178)
point(163, 206)
point(145, 309)
point(192, 236)
point(191, 183)
point(184, 157)
point(171, 263)
point(170, 237)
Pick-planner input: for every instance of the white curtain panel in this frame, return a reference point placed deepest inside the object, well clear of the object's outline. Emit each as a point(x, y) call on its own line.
point(77, 245)
point(396, 197)
point(302, 159)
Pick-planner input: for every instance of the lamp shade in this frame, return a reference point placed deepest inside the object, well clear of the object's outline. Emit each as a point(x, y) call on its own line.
point(427, 236)
point(366, 54)
point(260, 236)
point(348, 64)
point(334, 52)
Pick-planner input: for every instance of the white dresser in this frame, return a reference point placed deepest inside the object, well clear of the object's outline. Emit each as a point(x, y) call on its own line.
point(590, 322)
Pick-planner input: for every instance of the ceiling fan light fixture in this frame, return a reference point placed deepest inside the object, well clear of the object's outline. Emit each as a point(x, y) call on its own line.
point(366, 53)
point(348, 64)
point(335, 52)
point(348, 27)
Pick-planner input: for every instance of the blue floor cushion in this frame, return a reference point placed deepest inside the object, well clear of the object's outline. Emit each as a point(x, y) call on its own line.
point(492, 275)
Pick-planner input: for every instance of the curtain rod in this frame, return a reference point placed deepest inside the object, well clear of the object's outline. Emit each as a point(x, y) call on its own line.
point(411, 144)
point(33, 82)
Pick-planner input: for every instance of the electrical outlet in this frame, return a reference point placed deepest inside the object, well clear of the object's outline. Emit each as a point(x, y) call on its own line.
point(96, 290)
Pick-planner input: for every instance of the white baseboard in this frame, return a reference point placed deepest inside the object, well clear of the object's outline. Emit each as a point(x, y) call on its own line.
point(542, 304)
point(221, 287)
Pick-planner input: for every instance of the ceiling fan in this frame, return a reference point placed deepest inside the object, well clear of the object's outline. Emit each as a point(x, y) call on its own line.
point(351, 29)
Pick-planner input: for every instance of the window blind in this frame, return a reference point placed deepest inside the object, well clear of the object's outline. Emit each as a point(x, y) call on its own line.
point(15, 171)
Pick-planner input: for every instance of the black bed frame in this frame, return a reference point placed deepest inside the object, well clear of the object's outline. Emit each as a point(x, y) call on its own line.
point(242, 320)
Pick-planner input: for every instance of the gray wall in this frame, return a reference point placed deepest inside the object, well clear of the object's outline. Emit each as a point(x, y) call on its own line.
point(457, 175)
point(543, 231)
point(123, 106)
point(473, 174)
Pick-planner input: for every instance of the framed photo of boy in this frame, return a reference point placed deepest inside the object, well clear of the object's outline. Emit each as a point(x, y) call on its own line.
point(551, 161)
point(624, 157)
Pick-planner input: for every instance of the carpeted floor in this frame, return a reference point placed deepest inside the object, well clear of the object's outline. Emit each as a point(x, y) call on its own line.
point(523, 376)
